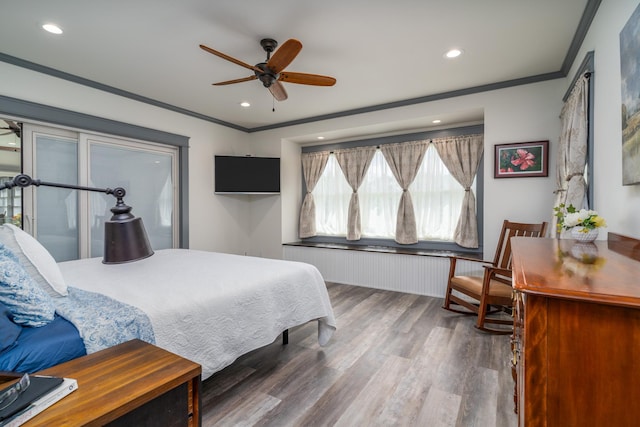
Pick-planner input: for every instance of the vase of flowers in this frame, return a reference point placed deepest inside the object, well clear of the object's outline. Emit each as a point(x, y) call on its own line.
point(583, 224)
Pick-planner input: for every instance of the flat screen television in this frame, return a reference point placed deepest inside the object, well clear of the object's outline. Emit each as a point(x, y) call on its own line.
point(246, 175)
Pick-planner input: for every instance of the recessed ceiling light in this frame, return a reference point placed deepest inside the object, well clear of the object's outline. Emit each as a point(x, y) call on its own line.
point(453, 53)
point(321, 137)
point(436, 121)
point(245, 104)
point(52, 28)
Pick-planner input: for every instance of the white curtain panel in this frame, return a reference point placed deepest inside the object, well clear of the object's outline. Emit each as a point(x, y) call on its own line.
point(331, 196)
point(462, 156)
point(404, 160)
point(571, 187)
point(437, 199)
point(313, 165)
point(354, 164)
point(379, 197)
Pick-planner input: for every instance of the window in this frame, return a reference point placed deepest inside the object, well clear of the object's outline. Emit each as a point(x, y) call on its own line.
point(38, 113)
point(436, 195)
point(331, 197)
point(70, 223)
point(379, 197)
point(437, 199)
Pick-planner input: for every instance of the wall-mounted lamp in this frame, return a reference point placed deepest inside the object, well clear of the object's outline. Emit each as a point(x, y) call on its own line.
point(125, 239)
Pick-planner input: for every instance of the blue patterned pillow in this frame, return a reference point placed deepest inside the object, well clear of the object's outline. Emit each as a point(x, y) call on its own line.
point(29, 304)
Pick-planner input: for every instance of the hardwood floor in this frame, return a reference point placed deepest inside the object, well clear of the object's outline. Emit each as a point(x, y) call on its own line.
point(395, 360)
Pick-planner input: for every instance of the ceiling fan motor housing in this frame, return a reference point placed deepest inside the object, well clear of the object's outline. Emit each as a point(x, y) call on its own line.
point(267, 77)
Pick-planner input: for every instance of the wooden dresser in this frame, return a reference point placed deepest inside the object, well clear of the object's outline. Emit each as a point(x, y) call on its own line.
point(576, 340)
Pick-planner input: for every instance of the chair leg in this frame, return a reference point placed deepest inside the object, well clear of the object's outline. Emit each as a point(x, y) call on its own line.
point(482, 312)
point(447, 299)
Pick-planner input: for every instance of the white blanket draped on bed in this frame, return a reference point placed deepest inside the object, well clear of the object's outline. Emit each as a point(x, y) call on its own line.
point(211, 307)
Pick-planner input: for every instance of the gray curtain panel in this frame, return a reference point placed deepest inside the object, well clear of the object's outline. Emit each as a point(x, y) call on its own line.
point(461, 155)
point(405, 159)
point(354, 164)
point(313, 165)
point(571, 187)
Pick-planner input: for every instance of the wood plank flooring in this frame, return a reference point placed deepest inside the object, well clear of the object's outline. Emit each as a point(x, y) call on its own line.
point(395, 360)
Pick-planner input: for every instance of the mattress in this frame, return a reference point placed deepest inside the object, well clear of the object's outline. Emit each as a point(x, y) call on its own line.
point(211, 307)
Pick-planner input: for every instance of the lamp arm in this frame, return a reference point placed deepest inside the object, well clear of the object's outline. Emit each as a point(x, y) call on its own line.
point(23, 181)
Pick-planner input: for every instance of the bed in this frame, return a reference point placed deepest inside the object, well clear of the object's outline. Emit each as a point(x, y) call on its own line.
point(208, 307)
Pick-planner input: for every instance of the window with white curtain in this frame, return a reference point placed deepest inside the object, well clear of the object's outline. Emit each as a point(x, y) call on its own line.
point(437, 200)
point(331, 197)
point(379, 197)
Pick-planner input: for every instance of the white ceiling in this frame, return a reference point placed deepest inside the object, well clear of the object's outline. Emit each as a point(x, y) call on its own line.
point(379, 51)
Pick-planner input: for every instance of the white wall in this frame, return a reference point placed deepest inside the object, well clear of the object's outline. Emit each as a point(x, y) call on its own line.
point(618, 204)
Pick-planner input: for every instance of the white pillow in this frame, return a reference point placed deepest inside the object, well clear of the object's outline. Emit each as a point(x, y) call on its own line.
point(35, 259)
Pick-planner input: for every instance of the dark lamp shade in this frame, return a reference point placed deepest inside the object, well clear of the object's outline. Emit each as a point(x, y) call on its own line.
point(125, 240)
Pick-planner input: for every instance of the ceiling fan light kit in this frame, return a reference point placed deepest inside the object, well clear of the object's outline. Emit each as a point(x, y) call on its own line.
point(271, 72)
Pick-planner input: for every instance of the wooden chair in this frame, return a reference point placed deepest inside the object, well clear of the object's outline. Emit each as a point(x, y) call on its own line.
point(494, 287)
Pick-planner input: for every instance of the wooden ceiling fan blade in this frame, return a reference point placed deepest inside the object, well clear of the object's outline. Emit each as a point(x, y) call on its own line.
point(277, 90)
point(230, 82)
point(284, 55)
point(307, 79)
point(229, 58)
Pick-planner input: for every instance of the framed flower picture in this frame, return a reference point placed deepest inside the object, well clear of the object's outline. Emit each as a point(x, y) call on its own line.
point(522, 159)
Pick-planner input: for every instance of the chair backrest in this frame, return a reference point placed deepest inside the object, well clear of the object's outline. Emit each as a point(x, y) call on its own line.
point(510, 229)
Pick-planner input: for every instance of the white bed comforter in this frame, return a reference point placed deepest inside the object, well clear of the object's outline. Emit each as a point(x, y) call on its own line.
point(211, 307)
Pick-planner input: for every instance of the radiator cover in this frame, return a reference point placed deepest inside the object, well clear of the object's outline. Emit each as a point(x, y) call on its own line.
point(414, 274)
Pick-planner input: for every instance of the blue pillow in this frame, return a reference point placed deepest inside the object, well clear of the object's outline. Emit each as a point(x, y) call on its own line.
point(29, 304)
point(9, 331)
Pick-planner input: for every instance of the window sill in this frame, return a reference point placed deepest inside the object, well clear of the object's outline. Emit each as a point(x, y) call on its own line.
point(390, 250)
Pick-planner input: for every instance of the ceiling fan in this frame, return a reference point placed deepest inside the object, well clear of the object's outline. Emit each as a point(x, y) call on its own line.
point(271, 72)
point(12, 127)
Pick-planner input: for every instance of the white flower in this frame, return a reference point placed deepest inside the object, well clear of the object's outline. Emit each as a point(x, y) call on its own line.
point(573, 219)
